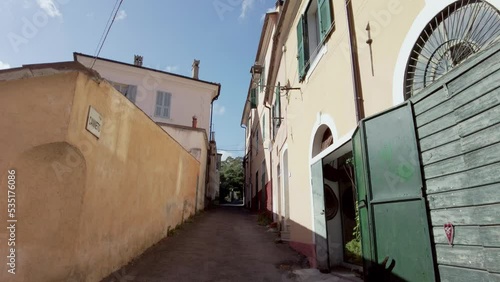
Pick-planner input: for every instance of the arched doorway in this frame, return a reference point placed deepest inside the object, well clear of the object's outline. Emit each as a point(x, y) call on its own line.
point(331, 186)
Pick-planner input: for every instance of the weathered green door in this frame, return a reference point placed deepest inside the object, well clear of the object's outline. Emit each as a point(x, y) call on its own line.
point(319, 216)
point(394, 221)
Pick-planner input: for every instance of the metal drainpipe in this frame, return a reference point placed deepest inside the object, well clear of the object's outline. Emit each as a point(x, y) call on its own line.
point(209, 162)
point(356, 77)
point(245, 171)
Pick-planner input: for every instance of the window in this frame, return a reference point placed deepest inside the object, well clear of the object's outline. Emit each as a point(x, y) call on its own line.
point(313, 27)
point(129, 91)
point(163, 100)
point(277, 110)
point(254, 99)
point(122, 88)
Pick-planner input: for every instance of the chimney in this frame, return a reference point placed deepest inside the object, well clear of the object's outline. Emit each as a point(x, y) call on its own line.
point(195, 122)
point(196, 68)
point(138, 60)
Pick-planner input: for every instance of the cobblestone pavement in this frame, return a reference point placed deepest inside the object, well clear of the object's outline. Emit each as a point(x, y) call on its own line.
point(224, 244)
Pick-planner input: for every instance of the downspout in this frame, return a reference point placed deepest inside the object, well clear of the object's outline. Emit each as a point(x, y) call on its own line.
point(245, 158)
point(356, 76)
point(207, 180)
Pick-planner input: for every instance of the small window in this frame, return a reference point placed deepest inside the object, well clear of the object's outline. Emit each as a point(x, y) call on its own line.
point(129, 91)
point(254, 98)
point(277, 110)
point(313, 28)
point(163, 100)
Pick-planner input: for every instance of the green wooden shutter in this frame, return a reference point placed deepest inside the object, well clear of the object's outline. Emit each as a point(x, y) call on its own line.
point(325, 17)
point(302, 48)
point(253, 98)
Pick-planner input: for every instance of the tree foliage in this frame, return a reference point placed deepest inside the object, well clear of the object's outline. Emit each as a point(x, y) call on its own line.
point(231, 176)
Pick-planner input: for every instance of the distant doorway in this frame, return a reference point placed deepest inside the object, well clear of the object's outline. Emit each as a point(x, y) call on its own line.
point(336, 226)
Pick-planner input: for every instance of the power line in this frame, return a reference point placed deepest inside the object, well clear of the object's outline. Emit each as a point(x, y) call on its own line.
point(231, 150)
point(107, 28)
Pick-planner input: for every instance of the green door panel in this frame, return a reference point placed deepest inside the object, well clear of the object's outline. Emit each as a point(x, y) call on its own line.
point(319, 216)
point(393, 218)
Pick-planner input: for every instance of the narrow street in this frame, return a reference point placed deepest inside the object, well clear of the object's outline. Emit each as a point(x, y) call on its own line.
point(224, 244)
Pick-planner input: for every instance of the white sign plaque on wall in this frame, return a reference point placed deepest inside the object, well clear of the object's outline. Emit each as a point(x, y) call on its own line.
point(94, 122)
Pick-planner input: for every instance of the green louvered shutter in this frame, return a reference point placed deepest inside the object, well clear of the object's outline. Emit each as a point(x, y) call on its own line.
point(302, 48)
point(278, 106)
point(253, 98)
point(325, 17)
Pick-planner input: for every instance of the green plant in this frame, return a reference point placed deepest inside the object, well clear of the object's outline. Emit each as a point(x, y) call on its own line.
point(353, 247)
point(264, 219)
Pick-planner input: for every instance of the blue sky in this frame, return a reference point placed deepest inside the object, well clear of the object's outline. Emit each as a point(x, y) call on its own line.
point(223, 34)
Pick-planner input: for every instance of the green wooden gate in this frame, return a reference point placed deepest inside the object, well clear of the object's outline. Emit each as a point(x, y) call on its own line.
point(392, 208)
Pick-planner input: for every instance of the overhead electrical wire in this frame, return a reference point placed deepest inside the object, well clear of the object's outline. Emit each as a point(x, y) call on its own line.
point(107, 28)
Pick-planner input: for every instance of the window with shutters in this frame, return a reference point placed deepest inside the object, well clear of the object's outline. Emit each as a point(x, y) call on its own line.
point(129, 91)
point(277, 110)
point(120, 87)
point(254, 98)
point(314, 27)
point(163, 102)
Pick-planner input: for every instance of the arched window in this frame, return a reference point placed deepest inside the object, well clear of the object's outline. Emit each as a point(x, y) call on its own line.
point(460, 30)
point(322, 140)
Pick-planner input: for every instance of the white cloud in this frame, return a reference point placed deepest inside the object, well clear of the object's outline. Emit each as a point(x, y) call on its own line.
point(27, 4)
point(4, 65)
point(226, 154)
point(121, 15)
point(172, 68)
point(219, 110)
point(270, 10)
point(246, 5)
point(49, 7)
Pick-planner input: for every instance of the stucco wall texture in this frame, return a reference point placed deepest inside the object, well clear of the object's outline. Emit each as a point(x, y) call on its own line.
point(85, 206)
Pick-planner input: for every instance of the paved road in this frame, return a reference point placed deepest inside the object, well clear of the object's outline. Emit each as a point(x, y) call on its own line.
point(224, 244)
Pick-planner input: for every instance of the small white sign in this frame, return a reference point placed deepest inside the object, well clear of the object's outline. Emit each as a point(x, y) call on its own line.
point(94, 122)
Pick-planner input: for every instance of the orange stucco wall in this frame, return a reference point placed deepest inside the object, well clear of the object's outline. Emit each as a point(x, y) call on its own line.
point(85, 206)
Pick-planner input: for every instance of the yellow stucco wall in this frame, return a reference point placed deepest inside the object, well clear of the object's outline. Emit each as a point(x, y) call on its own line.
point(86, 206)
point(326, 95)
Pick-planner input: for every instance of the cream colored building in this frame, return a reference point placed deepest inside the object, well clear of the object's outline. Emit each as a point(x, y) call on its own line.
point(181, 105)
point(336, 62)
